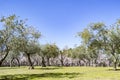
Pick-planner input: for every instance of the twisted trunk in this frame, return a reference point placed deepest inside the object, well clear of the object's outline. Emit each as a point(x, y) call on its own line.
point(1, 61)
point(30, 62)
point(18, 62)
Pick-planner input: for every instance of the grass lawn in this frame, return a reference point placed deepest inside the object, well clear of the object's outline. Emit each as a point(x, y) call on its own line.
point(59, 73)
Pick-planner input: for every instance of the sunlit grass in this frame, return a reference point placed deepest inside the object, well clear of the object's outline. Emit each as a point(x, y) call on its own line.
point(59, 73)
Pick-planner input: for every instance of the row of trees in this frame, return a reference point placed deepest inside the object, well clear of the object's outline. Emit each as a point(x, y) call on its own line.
point(99, 38)
point(19, 45)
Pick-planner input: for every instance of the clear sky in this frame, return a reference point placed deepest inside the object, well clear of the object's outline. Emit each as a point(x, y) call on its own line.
point(60, 20)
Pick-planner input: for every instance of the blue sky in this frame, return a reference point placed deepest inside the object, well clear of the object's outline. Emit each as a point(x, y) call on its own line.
point(60, 20)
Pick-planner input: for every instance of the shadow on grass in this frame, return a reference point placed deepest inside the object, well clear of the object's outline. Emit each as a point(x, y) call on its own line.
point(113, 70)
point(1, 68)
point(44, 75)
point(49, 68)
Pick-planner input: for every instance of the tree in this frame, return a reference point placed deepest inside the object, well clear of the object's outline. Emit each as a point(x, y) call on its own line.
point(103, 39)
point(29, 38)
point(113, 44)
point(93, 38)
point(84, 52)
point(15, 35)
point(108, 40)
point(62, 56)
point(7, 32)
point(80, 53)
point(31, 48)
point(42, 53)
point(49, 51)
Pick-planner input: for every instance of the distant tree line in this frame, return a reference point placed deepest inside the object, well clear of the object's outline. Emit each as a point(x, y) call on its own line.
point(19, 46)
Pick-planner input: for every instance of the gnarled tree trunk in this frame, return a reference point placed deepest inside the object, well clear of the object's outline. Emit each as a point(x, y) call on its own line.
point(30, 62)
point(1, 61)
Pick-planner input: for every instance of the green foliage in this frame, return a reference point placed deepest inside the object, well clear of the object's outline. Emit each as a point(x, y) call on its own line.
point(85, 35)
point(97, 26)
point(79, 52)
point(16, 34)
point(49, 50)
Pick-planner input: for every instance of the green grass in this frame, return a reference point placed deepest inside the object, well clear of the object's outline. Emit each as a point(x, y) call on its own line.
point(59, 73)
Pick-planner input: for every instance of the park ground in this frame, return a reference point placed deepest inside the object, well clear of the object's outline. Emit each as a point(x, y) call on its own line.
point(59, 73)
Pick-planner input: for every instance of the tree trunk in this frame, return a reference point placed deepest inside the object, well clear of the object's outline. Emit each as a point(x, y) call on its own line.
point(48, 63)
point(62, 62)
point(115, 64)
point(92, 63)
point(11, 62)
point(37, 63)
point(18, 62)
point(95, 62)
point(43, 62)
point(109, 64)
point(88, 62)
point(30, 62)
point(85, 62)
point(79, 62)
point(1, 61)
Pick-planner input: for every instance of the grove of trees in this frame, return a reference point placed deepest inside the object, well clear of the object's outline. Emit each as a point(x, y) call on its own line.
point(19, 46)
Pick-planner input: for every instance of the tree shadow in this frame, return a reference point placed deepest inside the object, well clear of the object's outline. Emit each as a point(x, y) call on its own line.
point(9, 68)
point(44, 75)
point(49, 68)
point(113, 70)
